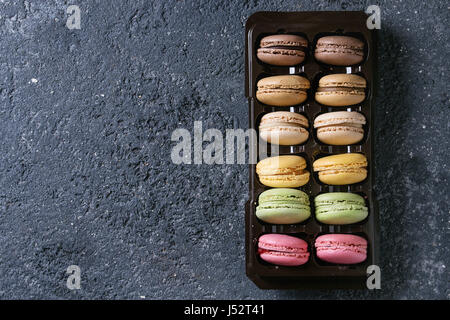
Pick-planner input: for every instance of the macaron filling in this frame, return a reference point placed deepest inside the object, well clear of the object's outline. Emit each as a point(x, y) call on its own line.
point(331, 245)
point(286, 49)
point(341, 88)
point(339, 48)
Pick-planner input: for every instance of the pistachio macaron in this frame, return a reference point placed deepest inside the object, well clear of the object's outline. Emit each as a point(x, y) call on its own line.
point(282, 91)
point(341, 169)
point(340, 208)
point(283, 206)
point(340, 127)
point(341, 89)
point(282, 49)
point(284, 128)
point(287, 171)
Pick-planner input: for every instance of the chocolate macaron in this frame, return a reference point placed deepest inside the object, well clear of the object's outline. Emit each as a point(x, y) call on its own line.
point(339, 50)
point(282, 49)
point(282, 91)
point(341, 89)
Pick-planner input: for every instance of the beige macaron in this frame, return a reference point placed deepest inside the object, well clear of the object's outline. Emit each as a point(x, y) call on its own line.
point(282, 91)
point(340, 128)
point(341, 89)
point(284, 128)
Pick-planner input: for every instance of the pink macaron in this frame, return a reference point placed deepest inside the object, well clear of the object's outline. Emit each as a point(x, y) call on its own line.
point(283, 250)
point(341, 248)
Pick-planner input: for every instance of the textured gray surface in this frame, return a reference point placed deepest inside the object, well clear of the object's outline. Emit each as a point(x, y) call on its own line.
point(85, 171)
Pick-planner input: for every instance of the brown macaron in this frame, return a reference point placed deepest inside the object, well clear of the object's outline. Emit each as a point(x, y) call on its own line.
point(282, 49)
point(282, 91)
point(339, 50)
point(341, 89)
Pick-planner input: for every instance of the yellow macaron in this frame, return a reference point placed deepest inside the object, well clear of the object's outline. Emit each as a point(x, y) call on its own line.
point(283, 171)
point(340, 169)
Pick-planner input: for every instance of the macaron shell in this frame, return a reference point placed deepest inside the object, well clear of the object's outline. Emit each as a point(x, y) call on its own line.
point(283, 40)
point(284, 117)
point(279, 57)
point(339, 50)
point(281, 97)
point(343, 176)
point(284, 164)
point(342, 80)
point(287, 215)
point(341, 248)
point(284, 194)
point(282, 242)
point(340, 161)
point(285, 181)
point(340, 135)
point(284, 259)
point(284, 135)
point(339, 98)
point(339, 118)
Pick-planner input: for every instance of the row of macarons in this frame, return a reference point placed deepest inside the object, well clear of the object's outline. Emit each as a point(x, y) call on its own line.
point(289, 171)
point(291, 49)
point(333, 90)
point(335, 248)
point(333, 128)
point(292, 206)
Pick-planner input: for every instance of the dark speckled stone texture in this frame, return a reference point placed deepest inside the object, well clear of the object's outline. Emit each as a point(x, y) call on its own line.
point(86, 177)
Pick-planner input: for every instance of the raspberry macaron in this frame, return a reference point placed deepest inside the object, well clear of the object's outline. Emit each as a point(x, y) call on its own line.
point(283, 250)
point(341, 248)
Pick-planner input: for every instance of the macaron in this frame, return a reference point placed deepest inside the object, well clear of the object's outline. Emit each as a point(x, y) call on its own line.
point(284, 128)
point(340, 169)
point(341, 89)
point(283, 206)
point(286, 171)
point(283, 250)
point(340, 127)
point(339, 50)
point(282, 49)
point(282, 91)
point(340, 208)
point(341, 248)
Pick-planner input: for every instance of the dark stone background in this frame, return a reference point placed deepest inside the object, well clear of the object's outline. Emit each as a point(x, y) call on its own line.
point(85, 171)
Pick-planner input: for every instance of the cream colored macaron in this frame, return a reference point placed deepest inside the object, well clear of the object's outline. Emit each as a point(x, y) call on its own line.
point(287, 171)
point(284, 128)
point(341, 169)
point(282, 91)
point(340, 128)
point(340, 90)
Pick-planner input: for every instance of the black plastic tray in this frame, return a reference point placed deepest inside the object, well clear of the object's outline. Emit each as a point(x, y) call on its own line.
point(312, 25)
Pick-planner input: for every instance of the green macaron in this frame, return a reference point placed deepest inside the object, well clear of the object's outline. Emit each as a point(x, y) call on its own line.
point(283, 206)
point(340, 208)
